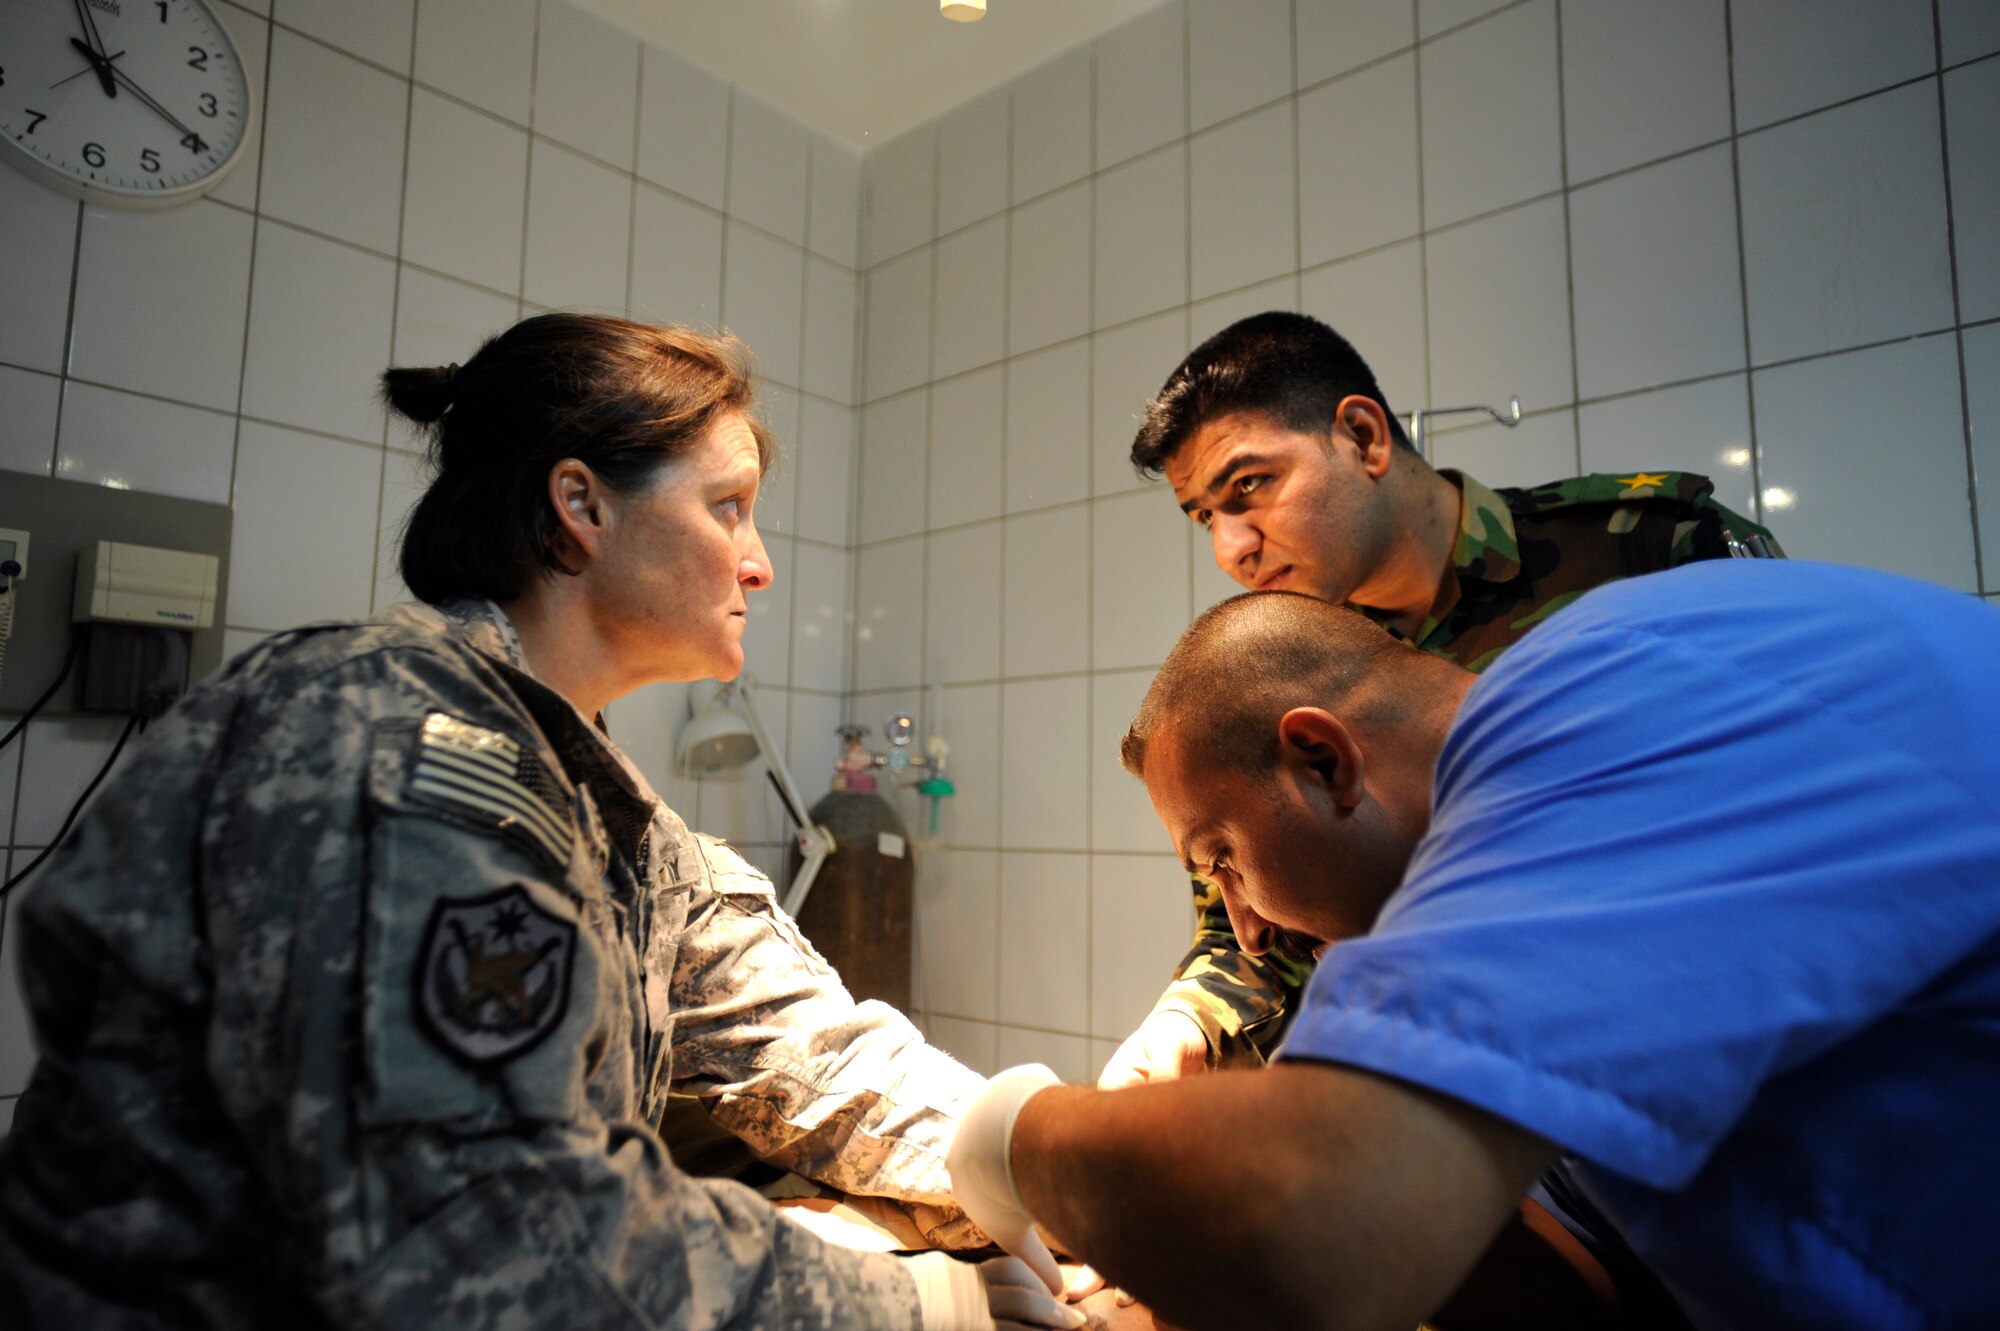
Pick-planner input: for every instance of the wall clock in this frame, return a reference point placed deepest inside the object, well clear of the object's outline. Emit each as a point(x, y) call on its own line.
point(141, 103)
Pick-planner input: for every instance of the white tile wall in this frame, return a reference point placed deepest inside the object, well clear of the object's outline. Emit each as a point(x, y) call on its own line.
point(463, 164)
point(579, 229)
point(899, 322)
point(333, 133)
point(376, 246)
point(962, 599)
point(889, 615)
point(763, 292)
point(1128, 365)
point(769, 189)
point(676, 260)
point(1239, 56)
point(1653, 258)
point(1335, 36)
point(1833, 491)
point(38, 232)
point(28, 413)
point(1499, 321)
point(1141, 920)
point(1982, 392)
point(1972, 113)
point(1051, 118)
point(1141, 237)
point(1048, 422)
point(971, 298)
point(1357, 191)
point(1047, 593)
point(1492, 126)
point(893, 466)
point(966, 462)
point(586, 83)
point(1377, 301)
point(1794, 56)
point(143, 280)
point(683, 127)
point(1844, 227)
point(1702, 428)
point(972, 162)
point(143, 443)
point(1141, 95)
point(1139, 584)
point(1044, 966)
point(1048, 281)
point(380, 32)
point(1642, 80)
point(1241, 179)
point(1968, 28)
point(480, 51)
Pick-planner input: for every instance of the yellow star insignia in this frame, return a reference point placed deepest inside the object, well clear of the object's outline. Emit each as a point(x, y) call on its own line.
point(1644, 480)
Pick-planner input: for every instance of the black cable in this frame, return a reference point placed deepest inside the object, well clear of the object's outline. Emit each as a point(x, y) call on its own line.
point(69, 659)
point(136, 723)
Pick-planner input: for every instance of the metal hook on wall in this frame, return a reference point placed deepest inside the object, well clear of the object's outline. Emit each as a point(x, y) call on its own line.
point(1420, 439)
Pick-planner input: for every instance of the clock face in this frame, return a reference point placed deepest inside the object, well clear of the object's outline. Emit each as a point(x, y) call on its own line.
point(120, 101)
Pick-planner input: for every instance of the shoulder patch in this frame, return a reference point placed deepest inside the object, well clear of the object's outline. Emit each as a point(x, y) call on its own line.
point(488, 776)
point(493, 974)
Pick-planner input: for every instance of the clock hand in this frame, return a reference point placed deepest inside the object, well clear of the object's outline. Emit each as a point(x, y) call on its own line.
point(90, 68)
point(186, 134)
point(95, 49)
point(100, 64)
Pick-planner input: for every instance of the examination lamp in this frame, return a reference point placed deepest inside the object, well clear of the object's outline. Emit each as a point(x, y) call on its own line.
point(726, 732)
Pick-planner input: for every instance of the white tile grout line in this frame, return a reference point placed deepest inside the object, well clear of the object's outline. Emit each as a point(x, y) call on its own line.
point(1569, 240)
point(395, 316)
point(1957, 306)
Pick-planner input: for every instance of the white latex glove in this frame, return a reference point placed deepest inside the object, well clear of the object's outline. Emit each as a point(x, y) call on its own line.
point(1001, 1295)
point(982, 1170)
point(1168, 1044)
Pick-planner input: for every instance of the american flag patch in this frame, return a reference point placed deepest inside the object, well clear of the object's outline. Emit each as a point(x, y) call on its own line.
point(486, 773)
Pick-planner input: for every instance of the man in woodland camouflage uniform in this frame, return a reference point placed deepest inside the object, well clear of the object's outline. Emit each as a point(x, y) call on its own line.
point(423, 1090)
point(1277, 440)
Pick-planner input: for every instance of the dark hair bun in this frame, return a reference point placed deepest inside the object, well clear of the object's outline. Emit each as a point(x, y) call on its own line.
point(420, 394)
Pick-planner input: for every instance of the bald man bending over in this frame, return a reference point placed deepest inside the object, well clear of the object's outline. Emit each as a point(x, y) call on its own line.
point(1694, 897)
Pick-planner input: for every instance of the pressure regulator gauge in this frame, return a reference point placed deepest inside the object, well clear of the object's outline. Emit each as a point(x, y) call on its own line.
point(142, 103)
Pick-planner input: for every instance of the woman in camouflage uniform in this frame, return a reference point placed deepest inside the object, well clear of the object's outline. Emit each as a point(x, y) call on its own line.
point(359, 993)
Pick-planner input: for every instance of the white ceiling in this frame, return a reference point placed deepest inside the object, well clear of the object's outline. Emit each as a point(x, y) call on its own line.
point(866, 70)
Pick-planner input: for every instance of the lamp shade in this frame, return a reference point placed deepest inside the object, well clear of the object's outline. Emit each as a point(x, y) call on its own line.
point(963, 11)
point(716, 739)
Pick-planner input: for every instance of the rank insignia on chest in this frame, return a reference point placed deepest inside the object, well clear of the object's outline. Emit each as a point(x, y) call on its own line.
point(493, 975)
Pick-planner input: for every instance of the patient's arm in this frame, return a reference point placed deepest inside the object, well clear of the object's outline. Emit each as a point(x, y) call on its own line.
point(1350, 1200)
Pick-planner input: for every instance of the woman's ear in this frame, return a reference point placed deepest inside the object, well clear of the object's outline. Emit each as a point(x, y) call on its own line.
point(1318, 747)
point(579, 499)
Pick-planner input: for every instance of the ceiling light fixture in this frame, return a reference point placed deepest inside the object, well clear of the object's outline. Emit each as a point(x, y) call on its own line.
point(963, 11)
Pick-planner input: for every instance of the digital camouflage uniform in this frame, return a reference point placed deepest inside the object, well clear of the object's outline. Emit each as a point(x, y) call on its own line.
point(1521, 556)
point(358, 996)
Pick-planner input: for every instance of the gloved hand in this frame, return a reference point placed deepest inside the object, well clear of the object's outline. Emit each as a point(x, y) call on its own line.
point(1168, 1044)
point(982, 1172)
point(1001, 1294)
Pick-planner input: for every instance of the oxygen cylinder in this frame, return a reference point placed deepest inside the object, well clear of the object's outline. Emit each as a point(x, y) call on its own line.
point(858, 912)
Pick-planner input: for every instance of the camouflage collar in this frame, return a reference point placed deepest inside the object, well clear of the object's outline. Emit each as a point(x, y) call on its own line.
point(478, 623)
point(1486, 549)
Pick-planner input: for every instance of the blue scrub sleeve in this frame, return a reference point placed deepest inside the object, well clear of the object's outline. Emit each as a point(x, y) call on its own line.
point(1656, 878)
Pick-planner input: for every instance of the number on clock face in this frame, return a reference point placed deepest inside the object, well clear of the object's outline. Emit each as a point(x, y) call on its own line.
point(126, 100)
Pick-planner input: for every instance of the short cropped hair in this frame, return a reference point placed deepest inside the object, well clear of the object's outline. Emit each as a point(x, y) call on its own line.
point(621, 397)
point(1246, 662)
point(1289, 367)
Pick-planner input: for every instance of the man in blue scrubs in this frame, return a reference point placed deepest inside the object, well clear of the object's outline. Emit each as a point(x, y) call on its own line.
point(1693, 896)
